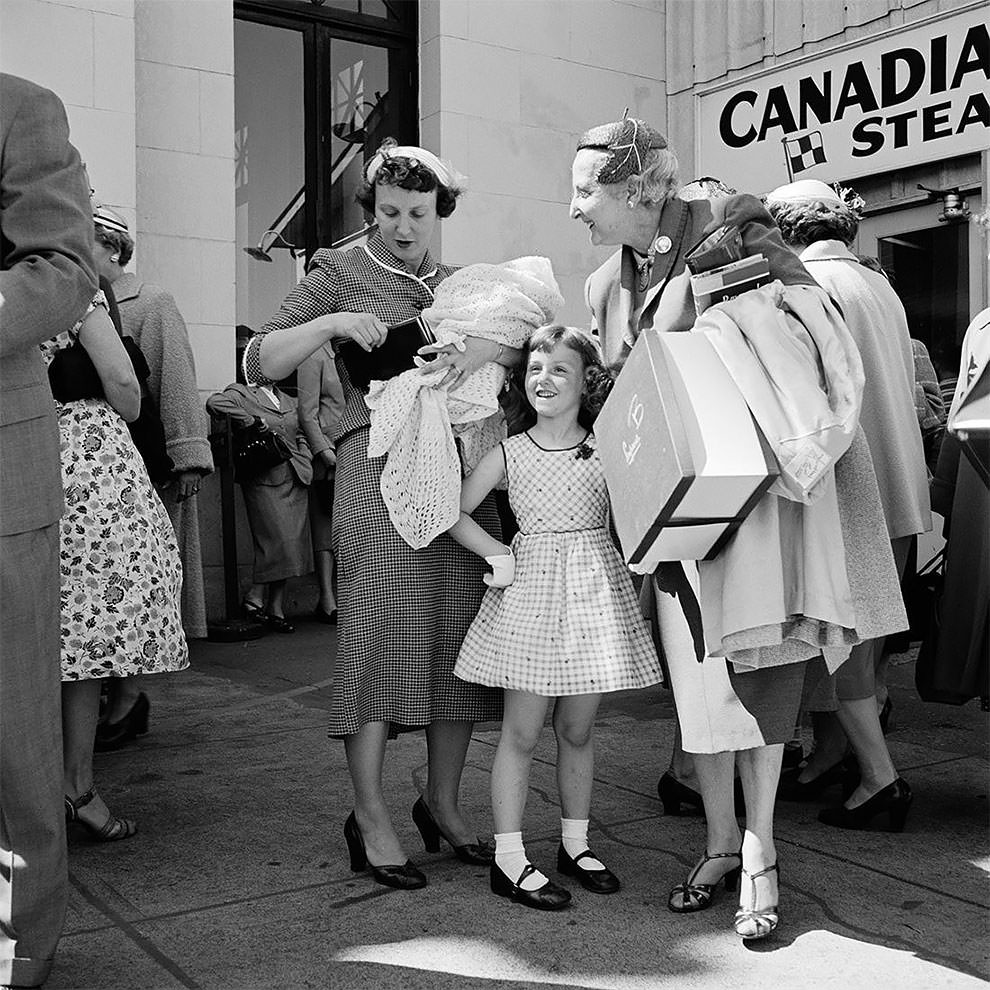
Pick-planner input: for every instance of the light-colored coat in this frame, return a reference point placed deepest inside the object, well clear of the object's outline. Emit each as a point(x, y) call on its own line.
point(877, 321)
point(149, 315)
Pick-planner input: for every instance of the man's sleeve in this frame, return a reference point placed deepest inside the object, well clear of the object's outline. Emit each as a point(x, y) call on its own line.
point(48, 277)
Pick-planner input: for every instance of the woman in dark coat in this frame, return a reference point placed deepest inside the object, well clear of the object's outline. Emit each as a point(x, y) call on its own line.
point(276, 500)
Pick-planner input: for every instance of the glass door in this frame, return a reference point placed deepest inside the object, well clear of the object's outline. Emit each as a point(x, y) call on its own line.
point(316, 91)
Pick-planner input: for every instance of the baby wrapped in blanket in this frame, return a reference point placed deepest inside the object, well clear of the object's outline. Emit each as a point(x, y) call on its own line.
point(415, 420)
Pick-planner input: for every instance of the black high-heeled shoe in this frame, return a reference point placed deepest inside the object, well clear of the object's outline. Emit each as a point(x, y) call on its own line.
point(597, 881)
point(789, 788)
point(673, 794)
point(404, 877)
point(894, 801)
point(114, 735)
point(479, 853)
point(689, 896)
point(549, 897)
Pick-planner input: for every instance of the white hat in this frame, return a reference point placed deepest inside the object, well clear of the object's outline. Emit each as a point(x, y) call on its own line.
point(806, 191)
point(105, 217)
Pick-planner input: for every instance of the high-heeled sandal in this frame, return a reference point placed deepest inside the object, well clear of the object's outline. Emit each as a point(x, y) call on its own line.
point(689, 896)
point(403, 876)
point(751, 922)
point(894, 800)
point(112, 830)
point(478, 853)
point(114, 735)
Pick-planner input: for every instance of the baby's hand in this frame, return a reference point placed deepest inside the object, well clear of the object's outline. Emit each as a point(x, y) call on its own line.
point(503, 570)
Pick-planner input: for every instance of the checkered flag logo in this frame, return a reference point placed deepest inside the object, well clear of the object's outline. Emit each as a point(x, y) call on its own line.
point(804, 152)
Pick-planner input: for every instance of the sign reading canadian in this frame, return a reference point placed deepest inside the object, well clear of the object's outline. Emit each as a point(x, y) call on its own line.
point(918, 94)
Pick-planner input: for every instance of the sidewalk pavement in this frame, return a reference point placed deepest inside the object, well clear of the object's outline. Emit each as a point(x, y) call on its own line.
point(239, 876)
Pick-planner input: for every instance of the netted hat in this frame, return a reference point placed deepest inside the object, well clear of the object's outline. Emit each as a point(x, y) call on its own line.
point(627, 143)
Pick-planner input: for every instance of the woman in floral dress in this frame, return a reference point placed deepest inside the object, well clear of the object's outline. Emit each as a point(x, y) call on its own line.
point(121, 575)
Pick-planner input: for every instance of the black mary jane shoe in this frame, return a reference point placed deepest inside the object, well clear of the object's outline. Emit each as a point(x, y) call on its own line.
point(549, 897)
point(253, 612)
point(476, 853)
point(114, 735)
point(279, 623)
point(597, 881)
point(404, 876)
point(894, 801)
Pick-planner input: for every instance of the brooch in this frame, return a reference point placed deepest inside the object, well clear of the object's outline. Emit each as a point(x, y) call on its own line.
point(583, 451)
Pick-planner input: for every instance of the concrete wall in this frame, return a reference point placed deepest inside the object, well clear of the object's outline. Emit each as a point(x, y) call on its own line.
point(506, 88)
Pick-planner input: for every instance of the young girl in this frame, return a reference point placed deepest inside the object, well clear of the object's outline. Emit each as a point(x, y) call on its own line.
point(561, 619)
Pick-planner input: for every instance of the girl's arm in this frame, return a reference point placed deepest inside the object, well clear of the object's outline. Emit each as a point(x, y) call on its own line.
point(476, 486)
point(120, 385)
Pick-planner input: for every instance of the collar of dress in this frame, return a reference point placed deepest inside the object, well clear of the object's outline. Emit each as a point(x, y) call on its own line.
point(375, 249)
point(827, 250)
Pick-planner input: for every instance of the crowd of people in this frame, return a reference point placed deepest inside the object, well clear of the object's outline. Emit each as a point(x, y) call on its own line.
point(478, 626)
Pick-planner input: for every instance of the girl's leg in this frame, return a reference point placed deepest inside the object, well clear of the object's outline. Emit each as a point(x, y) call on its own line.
point(573, 725)
point(276, 599)
point(447, 744)
point(365, 751)
point(522, 725)
point(80, 708)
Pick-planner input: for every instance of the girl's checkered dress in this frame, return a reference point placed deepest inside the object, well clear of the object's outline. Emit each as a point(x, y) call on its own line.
point(403, 612)
point(570, 622)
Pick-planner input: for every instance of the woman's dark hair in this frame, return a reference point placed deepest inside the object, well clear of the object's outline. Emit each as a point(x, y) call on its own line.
point(598, 380)
point(117, 241)
point(406, 173)
point(805, 223)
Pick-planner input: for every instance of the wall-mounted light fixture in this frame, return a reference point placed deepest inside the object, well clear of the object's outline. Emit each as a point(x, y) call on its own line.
point(270, 239)
point(954, 208)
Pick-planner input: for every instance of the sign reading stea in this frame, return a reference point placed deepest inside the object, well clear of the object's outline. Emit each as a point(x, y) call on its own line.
point(916, 94)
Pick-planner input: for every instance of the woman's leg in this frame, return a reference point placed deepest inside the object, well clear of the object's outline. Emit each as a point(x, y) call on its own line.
point(573, 725)
point(275, 604)
point(447, 744)
point(365, 751)
point(861, 723)
point(323, 560)
point(124, 693)
point(716, 780)
point(759, 770)
point(255, 595)
point(80, 708)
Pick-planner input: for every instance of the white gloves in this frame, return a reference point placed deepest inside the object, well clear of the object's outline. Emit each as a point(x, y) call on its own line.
point(503, 570)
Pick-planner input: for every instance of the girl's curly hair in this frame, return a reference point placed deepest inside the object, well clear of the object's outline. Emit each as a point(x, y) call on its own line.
point(598, 380)
point(406, 173)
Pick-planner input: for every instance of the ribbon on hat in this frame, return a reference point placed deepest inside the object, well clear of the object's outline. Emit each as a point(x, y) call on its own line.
point(421, 155)
point(106, 217)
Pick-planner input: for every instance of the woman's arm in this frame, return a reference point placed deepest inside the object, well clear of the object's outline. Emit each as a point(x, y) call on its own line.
point(476, 486)
point(230, 402)
point(120, 385)
point(477, 351)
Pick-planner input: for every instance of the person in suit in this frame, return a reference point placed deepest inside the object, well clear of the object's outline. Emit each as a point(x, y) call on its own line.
point(47, 280)
point(276, 500)
point(321, 404)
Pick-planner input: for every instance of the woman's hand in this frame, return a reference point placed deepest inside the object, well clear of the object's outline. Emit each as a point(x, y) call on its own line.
point(363, 328)
point(460, 364)
point(186, 484)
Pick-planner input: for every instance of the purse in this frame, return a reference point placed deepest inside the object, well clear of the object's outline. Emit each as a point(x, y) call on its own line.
point(257, 449)
point(73, 376)
point(395, 354)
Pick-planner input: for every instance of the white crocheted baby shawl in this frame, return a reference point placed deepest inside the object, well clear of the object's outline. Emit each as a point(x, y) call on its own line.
point(414, 420)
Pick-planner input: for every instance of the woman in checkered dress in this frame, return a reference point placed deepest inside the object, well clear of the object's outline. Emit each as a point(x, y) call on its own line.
point(403, 613)
point(561, 619)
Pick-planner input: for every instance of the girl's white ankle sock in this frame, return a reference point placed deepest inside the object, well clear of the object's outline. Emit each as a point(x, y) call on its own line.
point(574, 836)
point(511, 859)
